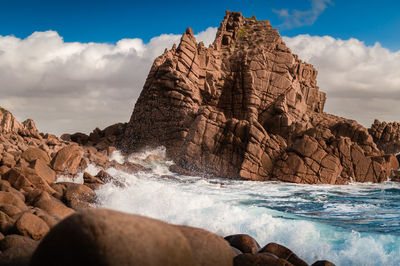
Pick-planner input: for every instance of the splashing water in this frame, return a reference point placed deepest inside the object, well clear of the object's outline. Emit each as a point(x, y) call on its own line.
point(358, 224)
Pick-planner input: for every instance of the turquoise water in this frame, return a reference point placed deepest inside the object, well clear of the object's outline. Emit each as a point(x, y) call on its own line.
point(356, 224)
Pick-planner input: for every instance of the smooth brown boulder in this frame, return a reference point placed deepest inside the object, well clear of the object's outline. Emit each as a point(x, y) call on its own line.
point(259, 260)
point(104, 237)
point(32, 226)
point(33, 153)
point(244, 243)
point(208, 249)
point(283, 253)
point(67, 159)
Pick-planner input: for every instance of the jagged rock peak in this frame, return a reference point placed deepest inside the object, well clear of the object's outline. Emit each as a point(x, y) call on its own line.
point(246, 107)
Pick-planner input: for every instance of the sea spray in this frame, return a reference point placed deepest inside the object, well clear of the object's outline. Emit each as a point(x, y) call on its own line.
point(348, 225)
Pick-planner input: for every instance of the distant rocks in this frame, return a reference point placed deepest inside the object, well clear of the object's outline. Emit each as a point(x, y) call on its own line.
point(386, 136)
point(246, 107)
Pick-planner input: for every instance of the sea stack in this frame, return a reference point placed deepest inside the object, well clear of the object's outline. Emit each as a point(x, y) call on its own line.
point(246, 107)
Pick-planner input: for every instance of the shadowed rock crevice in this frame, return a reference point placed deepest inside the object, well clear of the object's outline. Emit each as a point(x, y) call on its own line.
point(246, 107)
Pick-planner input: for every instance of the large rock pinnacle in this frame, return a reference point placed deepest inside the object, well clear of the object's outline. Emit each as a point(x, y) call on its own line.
point(246, 107)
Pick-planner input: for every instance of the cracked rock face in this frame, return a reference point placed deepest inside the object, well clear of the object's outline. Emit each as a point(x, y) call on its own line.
point(386, 135)
point(246, 107)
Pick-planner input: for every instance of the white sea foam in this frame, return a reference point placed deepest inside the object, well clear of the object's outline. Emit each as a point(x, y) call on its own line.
point(230, 207)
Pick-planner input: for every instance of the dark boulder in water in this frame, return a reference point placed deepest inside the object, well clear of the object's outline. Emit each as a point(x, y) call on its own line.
point(259, 259)
point(246, 107)
point(283, 253)
point(244, 243)
point(323, 263)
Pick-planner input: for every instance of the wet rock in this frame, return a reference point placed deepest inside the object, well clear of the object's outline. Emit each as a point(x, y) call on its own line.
point(79, 196)
point(244, 243)
point(107, 178)
point(283, 253)
point(259, 259)
point(323, 263)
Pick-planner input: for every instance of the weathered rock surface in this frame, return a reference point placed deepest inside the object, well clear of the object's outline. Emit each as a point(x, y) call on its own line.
point(246, 107)
point(386, 135)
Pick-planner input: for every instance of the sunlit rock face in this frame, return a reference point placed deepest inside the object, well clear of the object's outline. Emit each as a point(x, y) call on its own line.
point(386, 135)
point(246, 107)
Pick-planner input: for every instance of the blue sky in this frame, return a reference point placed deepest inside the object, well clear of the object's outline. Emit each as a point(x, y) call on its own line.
point(110, 21)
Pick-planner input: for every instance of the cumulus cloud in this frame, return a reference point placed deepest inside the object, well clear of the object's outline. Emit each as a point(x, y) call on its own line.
point(297, 18)
point(69, 87)
point(362, 82)
point(66, 87)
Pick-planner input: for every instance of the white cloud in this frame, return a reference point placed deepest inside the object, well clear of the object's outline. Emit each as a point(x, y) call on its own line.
point(362, 82)
point(298, 18)
point(69, 87)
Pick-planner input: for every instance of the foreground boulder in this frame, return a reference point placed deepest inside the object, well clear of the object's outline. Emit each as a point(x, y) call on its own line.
point(104, 237)
point(246, 107)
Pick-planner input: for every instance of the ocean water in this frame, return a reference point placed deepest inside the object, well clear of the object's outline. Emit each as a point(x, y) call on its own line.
point(357, 224)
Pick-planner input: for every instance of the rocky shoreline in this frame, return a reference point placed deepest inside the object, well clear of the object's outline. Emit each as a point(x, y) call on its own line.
point(245, 107)
point(44, 222)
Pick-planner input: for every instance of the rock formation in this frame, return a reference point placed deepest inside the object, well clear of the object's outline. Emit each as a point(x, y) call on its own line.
point(246, 107)
point(386, 136)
